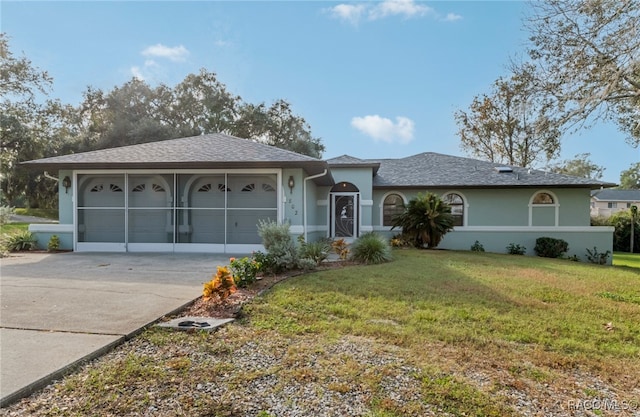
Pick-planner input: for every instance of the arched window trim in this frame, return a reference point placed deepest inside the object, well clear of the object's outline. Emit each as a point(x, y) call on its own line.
point(465, 205)
point(384, 197)
point(555, 205)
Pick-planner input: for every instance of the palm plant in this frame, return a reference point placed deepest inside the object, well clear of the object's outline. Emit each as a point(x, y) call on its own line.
point(425, 220)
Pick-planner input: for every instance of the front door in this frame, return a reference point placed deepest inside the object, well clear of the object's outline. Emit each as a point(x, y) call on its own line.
point(344, 213)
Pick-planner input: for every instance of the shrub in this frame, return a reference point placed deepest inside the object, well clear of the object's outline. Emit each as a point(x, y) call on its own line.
point(516, 249)
point(399, 241)
point(621, 221)
point(477, 247)
point(425, 220)
point(340, 247)
point(371, 248)
point(548, 247)
point(316, 251)
point(221, 286)
point(266, 261)
point(596, 257)
point(278, 243)
point(21, 241)
point(54, 243)
point(307, 264)
point(5, 214)
point(244, 270)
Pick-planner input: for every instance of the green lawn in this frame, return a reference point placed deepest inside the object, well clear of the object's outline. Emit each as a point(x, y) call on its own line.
point(626, 259)
point(46, 213)
point(468, 334)
point(10, 228)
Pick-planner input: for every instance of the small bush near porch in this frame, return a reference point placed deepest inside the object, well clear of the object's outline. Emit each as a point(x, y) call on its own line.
point(432, 333)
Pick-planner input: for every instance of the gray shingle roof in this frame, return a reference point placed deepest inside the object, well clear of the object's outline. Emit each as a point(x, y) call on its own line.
point(616, 195)
point(206, 151)
point(437, 170)
point(347, 161)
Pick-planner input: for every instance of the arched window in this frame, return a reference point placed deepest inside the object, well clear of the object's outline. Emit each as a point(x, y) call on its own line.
point(543, 198)
point(392, 205)
point(457, 207)
point(543, 209)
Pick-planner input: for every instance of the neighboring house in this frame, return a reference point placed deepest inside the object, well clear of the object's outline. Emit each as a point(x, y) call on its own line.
point(207, 193)
point(606, 202)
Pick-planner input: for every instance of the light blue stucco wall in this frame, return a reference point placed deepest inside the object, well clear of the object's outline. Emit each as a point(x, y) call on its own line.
point(578, 238)
point(64, 228)
point(293, 199)
point(317, 226)
point(65, 199)
point(507, 207)
point(498, 217)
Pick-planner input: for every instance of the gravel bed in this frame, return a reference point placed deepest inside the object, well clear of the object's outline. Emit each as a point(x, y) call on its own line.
point(232, 373)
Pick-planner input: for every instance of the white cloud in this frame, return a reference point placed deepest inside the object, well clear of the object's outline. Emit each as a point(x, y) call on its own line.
point(148, 70)
point(405, 8)
point(452, 17)
point(353, 13)
point(349, 12)
point(176, 53)
point(384, 129)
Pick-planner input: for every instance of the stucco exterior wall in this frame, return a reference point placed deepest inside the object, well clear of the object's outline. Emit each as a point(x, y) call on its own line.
point(497, 240)
point(292, 200)
point(507, 207)
point(496, 218)
point(64, 228)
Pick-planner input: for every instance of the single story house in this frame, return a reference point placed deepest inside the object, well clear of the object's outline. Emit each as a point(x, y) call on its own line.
point(207, 193)
point(606, 202)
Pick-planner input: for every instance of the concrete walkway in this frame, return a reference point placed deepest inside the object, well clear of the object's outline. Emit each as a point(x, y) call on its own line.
point(59, 310)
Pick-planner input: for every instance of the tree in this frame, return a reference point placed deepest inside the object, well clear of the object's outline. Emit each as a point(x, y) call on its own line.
point(279, 127)
point(587, 54)
point(622, 222)
point(27, 129)
point(202, 104)
point(137, 113)
point(630, 178)
point(425, 220)
point(512, 125)
point(580, 166)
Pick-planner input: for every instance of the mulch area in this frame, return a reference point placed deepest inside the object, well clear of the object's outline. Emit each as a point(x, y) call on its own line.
point(232, 306)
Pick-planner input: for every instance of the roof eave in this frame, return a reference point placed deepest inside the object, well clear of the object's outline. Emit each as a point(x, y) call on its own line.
point(492, 186)
point(310, 167)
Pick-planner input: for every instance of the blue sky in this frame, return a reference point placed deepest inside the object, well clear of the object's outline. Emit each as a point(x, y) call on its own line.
point(373, 79)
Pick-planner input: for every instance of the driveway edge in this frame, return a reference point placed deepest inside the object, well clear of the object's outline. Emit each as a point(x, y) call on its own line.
point(70, 368)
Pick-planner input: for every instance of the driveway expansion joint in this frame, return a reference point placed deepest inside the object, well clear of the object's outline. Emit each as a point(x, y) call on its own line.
point(62, 331)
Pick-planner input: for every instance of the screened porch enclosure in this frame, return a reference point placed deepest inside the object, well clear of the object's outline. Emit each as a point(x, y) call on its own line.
point(174, 211)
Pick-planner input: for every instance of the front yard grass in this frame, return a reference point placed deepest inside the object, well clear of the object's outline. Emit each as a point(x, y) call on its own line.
point(10, 228)
point(432, 333)
point(631, 260)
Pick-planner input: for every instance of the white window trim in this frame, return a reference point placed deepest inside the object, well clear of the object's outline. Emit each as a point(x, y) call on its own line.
point(465, 206)
point(556, 205)
point(381, 205)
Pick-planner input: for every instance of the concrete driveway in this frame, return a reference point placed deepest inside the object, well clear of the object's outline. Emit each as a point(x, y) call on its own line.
point(58, 310)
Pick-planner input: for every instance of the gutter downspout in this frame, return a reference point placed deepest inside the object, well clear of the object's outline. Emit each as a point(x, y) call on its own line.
point(46, 175)
point(304, 199)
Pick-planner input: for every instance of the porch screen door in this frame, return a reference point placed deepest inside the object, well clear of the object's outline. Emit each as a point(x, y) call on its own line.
point(345, 215)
